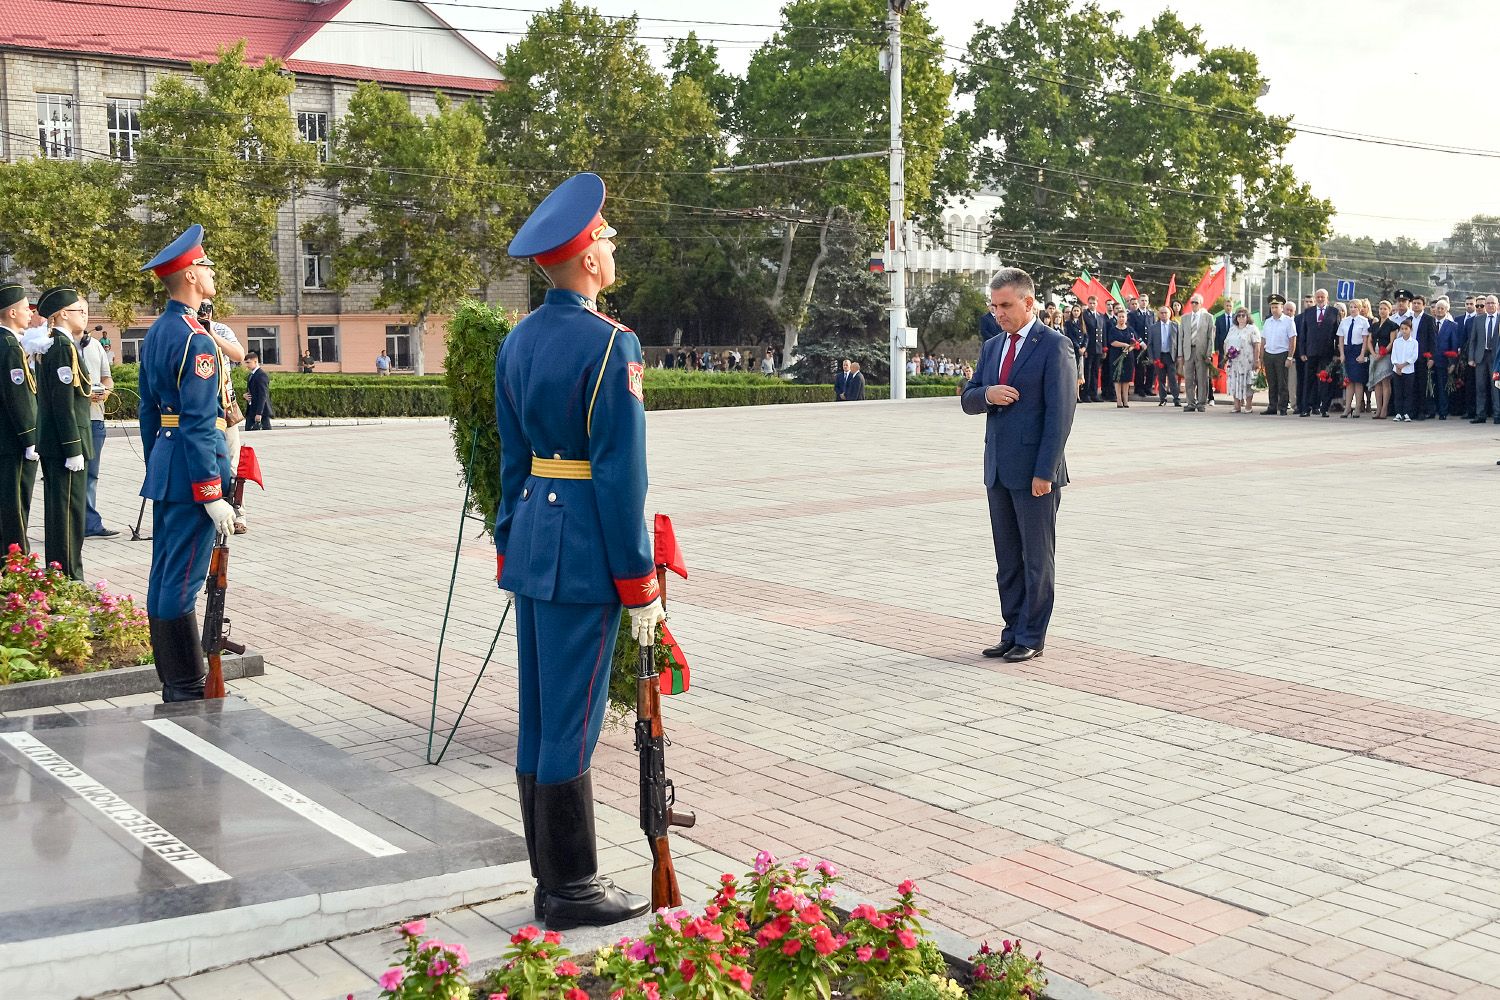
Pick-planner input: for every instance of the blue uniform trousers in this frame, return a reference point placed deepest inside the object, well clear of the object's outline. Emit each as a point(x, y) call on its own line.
point(182, 542)
point(1024, 529)
point(564, 657)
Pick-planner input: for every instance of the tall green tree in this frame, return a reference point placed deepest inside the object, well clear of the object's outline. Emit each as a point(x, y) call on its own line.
point(70, 222)
point(425, 214)
point(581, 93)
point(222, 149)
point(1474, 249)
point(817, 88)
point(946, 312)
point(1377, 267)
point(1117, 150)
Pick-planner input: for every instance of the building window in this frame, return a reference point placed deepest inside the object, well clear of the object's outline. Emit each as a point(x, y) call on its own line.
point(314, 266)
point(323, 343)
point(248, 147)
point(313, 126)
point(124, 118)
point(54, 125)
point(265, 341)
point(398, 346)
point(130, 345)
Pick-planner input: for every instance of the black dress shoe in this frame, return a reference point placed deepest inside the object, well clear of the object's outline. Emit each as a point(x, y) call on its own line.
point(1020, 654)
point(102, 533)
point(999, 649)
point(1477, 420)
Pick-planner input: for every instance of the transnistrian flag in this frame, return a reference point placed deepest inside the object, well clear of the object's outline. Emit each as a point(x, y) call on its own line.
point(1128, 288)
point(1172, 288)
point(675, 677)
point(1114, 293)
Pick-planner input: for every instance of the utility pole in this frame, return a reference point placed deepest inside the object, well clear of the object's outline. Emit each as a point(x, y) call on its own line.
point(897, 230)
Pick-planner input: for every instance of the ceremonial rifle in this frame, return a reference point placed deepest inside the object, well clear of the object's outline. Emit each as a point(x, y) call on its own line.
point(215, 626)
point(658, 795)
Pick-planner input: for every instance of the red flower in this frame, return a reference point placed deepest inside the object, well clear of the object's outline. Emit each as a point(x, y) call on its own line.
point(791, 946)
point(823, 940)
point(688, 969)
point(741, 976)
point(566, 968)
point(1427, 355)
point(811, 914)
point(1160, 363)
point(552, 937)
point(527, 933)
point(1450, 354)
point(1384, 351)
point(909, 887)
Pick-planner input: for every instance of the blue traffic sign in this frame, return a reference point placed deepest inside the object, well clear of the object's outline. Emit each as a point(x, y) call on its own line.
point(1345, 290)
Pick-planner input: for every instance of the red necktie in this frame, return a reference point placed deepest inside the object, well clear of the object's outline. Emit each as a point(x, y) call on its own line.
point(1010, 359)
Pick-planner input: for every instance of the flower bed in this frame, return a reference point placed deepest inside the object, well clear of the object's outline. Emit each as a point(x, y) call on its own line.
point(51, 625)
point(772, 933)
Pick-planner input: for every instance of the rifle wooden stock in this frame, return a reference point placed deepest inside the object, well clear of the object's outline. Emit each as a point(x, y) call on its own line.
point(215, 642)
point(657, 793)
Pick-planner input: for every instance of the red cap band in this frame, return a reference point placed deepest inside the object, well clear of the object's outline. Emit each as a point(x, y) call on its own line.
point(575, 246)
point(178, 263)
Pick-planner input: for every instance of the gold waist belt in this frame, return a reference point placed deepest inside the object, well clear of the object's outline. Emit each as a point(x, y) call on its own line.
point(175, 419)
point(561, 468)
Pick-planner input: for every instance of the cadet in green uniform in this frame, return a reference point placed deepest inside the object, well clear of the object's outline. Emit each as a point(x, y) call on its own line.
point(63, 429)
point(18, 455)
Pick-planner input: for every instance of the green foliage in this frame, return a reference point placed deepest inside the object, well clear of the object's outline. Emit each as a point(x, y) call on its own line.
point(54, 209)
point(326, 396)
point(429, 970)
point(18, 665)
point(422, 211)
point(946, 314)
point(475, 334)
point(1073, 162)
point(1362, 259)
point(1007, 974)
point(52, 624)
point(223, 150)
point(928, 987)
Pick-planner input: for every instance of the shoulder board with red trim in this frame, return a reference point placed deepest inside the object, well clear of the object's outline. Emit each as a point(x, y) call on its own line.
point(193, 324)
point(610, 320)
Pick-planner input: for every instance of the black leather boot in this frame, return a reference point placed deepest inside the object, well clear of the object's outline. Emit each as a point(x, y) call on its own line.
point(179, 657)
point(526, 791)
point(568, 861)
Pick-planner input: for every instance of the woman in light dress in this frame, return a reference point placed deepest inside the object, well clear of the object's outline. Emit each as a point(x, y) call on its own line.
point(1241, 359)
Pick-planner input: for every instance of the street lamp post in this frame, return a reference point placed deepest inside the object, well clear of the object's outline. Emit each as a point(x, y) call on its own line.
point(897, 229)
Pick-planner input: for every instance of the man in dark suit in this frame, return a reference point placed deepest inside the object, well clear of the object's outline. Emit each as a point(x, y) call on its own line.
point(1221, 333)
point(1484, 348)
point(1025, 385)
point(1424, 330)
point(257, 395)
point(1447, 351)
point(854, 384)
point(840, 381)
point(1161, 344)
point(1316, 344)
point(1141, 317)
point(987, 326)
point(1093, 349)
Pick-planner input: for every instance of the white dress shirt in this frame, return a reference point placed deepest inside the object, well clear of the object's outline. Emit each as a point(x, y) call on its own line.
point(1006, 349)
point(1277, 333)
point(1166, 336)
point(1352, 331)
point(1404, 352)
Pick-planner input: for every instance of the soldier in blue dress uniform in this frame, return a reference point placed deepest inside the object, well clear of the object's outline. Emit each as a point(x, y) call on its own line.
point(571, 538)
point(187, 461)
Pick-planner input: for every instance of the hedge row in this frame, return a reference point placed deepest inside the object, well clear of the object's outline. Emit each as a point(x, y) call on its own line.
point(335, 396)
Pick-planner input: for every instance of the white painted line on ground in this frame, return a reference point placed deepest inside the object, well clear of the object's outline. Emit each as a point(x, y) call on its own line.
point(276, 790)
point(152, 835)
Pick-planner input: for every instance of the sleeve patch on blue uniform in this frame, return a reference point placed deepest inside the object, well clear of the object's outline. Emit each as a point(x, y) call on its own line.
point(635, 372)
point(203, 366)
point(65, 375)
point(17, 376)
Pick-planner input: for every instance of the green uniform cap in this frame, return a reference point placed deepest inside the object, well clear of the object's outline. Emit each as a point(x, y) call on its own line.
point(55, 300)
point(10, 294)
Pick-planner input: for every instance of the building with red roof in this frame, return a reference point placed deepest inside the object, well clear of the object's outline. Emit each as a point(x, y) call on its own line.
point(74, 73)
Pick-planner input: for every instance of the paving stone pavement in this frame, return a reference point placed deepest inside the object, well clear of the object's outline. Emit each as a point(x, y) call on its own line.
point(1258, 759)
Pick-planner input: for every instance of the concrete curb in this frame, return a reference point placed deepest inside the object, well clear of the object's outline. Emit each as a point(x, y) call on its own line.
point(121, 682)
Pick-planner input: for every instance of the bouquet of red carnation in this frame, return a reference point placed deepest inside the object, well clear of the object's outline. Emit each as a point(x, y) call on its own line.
point(1160, 363)
point(1385, 351)
point(1450, 355)
point(1333, 374)
point(1323, 376)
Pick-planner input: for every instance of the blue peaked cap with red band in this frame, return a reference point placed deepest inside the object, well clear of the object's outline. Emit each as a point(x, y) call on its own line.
point(566, 223)
point(181, 254)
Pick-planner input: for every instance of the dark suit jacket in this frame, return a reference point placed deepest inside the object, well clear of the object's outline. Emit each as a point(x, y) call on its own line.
point(1026, 439)
point(1093, 327)
point(1318, 340)
point(839, 382)
point(1221, 332)
point(1425, 330)
point(988, 327)
point(854, 386)
point(258, 389)
point(1153, 340)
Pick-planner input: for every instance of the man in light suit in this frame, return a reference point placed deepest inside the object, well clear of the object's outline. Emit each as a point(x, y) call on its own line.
point(1194, 346)
point(1025, 385)
point(1162, 337)
point(1484, 348)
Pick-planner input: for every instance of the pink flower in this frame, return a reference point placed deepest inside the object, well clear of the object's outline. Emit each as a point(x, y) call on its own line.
point(551, 937)
point(864, 911)
point(791, 946)
point(882, 953)
point(740, 975)
point(640, 951)
point(439, 967)
point(527, 933)
point(828, 869)
point(802, 864)
point(392, 978)
point(783, 900)
point(863, 952)
point(907, 938)
point(907, 888)
point(763, 862)
point(826, 893)
point(566, 968)
point(811, 914)
point(460, 954)
point(649, 989)
point(414, 929)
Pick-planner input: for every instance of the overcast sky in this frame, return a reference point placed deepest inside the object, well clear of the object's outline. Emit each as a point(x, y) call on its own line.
point(1417, 79)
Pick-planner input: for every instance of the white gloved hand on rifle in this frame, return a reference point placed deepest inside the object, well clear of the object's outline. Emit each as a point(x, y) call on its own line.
point(221, 512)
point(643, 621)
point(74, 464)
point(30, 454)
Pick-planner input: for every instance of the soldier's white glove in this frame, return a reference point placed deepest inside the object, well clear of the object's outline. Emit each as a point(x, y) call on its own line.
point(221, 512)
point(31, 455)
point(507, 596)
point(643, 622)
point(74, 464)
